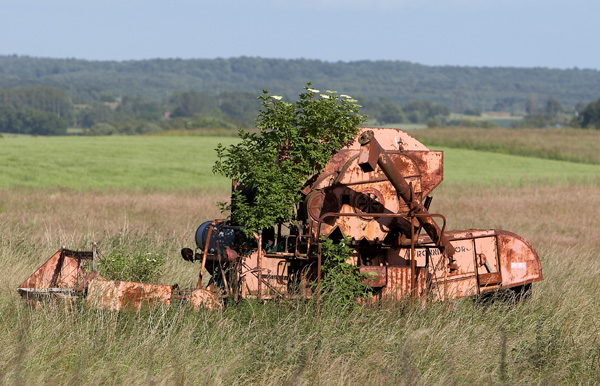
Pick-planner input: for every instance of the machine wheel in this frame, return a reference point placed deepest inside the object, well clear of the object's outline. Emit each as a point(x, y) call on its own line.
point(522, 292)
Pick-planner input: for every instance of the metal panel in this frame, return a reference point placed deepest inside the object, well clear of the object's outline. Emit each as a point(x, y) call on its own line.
point(399, 282)
point(519, 263)
point(117, 295)
point(377, 276)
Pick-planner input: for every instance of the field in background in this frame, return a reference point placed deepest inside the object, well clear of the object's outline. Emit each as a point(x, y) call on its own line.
point(502, 119)
point(573, 145)
point(174, 163)
point(552, 338)
point(145, 162)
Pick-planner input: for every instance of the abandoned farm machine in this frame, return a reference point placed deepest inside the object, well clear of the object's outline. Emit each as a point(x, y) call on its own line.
point(377, 191)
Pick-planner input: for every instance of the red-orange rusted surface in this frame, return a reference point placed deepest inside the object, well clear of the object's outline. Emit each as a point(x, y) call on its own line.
point(62, 270)
point(118, 295)
point(63, 276)
point(370, 192)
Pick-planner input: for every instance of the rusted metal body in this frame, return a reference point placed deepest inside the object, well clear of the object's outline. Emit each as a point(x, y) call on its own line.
point(63, 276)
point(375, 191)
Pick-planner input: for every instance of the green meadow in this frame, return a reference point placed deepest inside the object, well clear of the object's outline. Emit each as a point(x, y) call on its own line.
point(568, 144)
point(474, 167)
point(136, 162)
point(174, 163)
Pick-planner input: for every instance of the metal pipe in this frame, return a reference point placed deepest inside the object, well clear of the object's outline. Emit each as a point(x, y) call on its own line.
point(319, 271)
point(221, 269)
point(413, 265)
point(207, 243)
point(94, 257)
point(372, 155)
point(259, 265)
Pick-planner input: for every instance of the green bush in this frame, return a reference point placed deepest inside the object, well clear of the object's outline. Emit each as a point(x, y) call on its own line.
point(140, 267)
point(342, 282)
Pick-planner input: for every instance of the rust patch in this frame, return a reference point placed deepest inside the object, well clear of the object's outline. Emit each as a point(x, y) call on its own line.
point(62, 270)
point(487, 279)
point(204, 299)
point(115, 295)
point(519, 263)
point(377, 276)
point(399, 283)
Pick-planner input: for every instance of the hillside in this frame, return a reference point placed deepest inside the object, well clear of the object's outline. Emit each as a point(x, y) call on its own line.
point(485, 88)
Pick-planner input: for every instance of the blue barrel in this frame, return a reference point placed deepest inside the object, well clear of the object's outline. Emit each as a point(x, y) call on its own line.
point(224, 236)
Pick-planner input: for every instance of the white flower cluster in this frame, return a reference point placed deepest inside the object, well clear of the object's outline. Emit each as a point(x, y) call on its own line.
point(276, 97)
point(348, 98)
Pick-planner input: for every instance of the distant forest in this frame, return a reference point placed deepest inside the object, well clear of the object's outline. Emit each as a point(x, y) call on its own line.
point(122, 97)
point(485, 88)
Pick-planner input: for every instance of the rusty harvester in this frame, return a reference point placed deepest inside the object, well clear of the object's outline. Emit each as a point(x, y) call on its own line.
point(377, 192)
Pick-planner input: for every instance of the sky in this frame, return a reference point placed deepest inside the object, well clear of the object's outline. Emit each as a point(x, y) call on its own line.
point(481, 33)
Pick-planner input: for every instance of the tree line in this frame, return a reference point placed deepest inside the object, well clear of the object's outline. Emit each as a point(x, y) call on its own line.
point(36, 110)
point(459, 88)
point(43, 110)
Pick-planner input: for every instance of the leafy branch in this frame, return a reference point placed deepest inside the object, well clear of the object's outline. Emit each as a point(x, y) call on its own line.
point(295, 141)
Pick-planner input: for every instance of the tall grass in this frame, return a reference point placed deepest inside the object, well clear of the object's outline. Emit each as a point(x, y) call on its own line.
point(541, 341)
point(552, 338)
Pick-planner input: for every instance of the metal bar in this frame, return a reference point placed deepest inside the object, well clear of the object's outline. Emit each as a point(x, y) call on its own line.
point(259, 264)
point(207, 243)
point(236, 281)
point(94, 257)
point(372, 154)
point(46, 290)
point(58, 268)
point(413, 265)
point(221, 269)
point(319, 274)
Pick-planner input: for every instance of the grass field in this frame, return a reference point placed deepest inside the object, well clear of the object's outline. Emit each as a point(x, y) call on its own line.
point(557, 144)
point(158, 195)
point(175, 163)
point(149, 162)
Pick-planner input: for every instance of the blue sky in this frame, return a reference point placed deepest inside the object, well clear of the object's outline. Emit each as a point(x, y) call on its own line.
point(515, 33)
